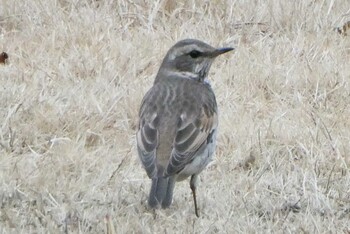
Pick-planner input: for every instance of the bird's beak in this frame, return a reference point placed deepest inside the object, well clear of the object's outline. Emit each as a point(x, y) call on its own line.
point(219, 51)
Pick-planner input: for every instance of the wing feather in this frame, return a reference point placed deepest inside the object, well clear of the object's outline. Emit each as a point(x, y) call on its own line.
point(193, 132)
point(147, 136)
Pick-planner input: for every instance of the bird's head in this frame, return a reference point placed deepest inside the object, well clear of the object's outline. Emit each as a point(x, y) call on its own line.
point(191, 58)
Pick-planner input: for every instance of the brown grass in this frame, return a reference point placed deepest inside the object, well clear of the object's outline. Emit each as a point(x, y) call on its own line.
point(69, 99)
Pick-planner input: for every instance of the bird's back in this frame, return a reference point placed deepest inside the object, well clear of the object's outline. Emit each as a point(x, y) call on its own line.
point(172, 99)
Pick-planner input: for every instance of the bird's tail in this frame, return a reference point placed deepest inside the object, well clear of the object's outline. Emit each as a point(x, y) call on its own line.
point(161, 193)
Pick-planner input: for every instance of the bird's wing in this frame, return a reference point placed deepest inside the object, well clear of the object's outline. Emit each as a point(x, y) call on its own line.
point(193, 131)
point(147, 135)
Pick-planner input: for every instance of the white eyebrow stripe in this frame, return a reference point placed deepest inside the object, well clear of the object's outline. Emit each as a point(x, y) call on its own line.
point(183, 50)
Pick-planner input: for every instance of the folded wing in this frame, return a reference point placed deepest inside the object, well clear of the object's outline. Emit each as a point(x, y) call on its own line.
point(147, 138)
point(193, 131)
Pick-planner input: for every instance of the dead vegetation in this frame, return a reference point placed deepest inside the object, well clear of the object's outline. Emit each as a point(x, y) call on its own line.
point(70, 92)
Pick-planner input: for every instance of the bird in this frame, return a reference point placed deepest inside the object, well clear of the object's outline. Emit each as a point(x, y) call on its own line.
point(178, 120)
point(3, 57)
point(344, 29)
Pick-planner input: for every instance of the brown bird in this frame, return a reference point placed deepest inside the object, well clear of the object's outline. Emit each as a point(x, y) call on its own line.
point(176, 135)
point(3, 57)
point(343, 30)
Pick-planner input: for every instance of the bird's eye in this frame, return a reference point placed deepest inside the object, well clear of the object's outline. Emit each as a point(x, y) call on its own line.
point(195, 54)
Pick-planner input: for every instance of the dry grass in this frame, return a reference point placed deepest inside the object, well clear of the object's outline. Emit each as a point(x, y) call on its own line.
point(70, 93)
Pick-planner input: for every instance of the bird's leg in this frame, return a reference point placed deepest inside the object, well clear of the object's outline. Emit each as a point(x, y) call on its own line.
point(193, 185)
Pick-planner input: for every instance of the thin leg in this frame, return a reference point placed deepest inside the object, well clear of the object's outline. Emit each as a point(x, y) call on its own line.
point(193, 186)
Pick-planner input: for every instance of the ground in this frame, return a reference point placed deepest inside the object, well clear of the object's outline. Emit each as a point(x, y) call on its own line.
point(73, 82)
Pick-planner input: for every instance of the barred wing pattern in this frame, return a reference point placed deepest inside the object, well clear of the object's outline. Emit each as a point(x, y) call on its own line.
point(147, 139)
point(192, 133)
point(193, 129)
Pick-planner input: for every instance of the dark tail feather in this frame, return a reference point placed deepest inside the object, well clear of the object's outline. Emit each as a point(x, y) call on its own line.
point(161, 193)
point(168, 199)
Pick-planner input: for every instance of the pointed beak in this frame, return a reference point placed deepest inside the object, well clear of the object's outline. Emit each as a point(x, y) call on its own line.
point(219, 51)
